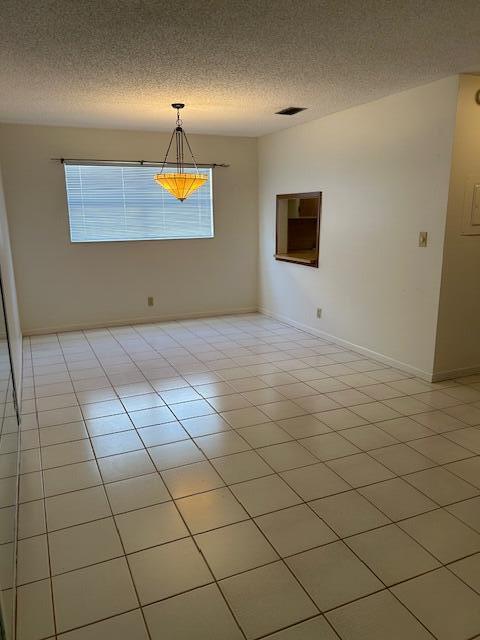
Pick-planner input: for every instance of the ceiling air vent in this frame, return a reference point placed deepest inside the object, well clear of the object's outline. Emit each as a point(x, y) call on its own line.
point(290, 111)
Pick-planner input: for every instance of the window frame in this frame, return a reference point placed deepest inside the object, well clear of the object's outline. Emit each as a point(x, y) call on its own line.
point(114, 163)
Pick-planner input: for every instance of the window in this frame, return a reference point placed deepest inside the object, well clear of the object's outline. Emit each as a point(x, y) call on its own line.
point(108, 203)
point(298, 228)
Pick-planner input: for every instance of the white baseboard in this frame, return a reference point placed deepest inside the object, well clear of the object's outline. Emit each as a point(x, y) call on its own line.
point(391, 362)
point(141, 320)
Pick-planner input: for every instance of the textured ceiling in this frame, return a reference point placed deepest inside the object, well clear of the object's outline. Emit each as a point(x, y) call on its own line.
point(120, 63)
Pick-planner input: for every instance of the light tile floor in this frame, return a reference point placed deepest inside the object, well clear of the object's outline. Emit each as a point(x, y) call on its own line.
point(232, 478)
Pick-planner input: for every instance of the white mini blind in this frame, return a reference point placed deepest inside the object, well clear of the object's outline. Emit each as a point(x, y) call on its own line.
point(108, 203)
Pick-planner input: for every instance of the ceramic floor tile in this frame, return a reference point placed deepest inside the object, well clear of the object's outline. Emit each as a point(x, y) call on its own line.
point(115, 443)
point(71, 477)
point(360, 470)
point(468, 470)
point(125, 465)
point(313, 629)
point(205, 425)
point(31, 519)
point(443, 535)
point(401, 459)
point(303, 426)
point(215, 389)
point(31, 486)
point(136, 493)
point(368, 437)
point(191, 478)
point(329, 446)
point(201, 614)
point(468, 438)
point(397, 499)
point(32, 559)
point(230, 402)
point(184, 394)
point(221, 444)
point(439, 421)
point(318, 402)
point(179, 563)
point(77, 507)
point(333, 575)
point(34, 611)
point(239, 418)
point(94, 593)
point(440, 449)
point(92, 543)
point(466, 413)
point(377, 617)
point(467, 511)
point(407, 405)
point(144, 401)
point(391, 554)
point(444, 604)
point(314, 481)
point(441, 485)
point(192, 409)
point(241, 466)
point(59, 416)
point(62, 433)
point(264, 495)
point(289, 455)
point(162, 434)
point(294, 530)
point(172, 455)
point(251, 549)
point(405, 429)
point(58, 455)
point(375, 412)
point(150, 526)
point(126, 626)
point(350, 397)
point(266, 599)
point(262, 435)
point(468, 570)
point(265, 396)
point(210, 510)
point(281, 410)
point(109, 424)
point(148, 417)
point(101, 409)
point(349, 513)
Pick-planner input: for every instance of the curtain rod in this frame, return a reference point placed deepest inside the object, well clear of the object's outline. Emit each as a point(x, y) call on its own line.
point(141, 163)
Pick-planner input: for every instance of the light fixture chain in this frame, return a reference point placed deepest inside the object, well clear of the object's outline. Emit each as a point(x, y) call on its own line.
point(191, 152)
point(168, 150)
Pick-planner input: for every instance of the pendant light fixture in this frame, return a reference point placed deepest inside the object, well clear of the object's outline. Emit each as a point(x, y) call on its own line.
point(180, 184)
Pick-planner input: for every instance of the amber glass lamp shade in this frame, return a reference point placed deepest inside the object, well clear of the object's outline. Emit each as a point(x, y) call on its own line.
point(181, 185)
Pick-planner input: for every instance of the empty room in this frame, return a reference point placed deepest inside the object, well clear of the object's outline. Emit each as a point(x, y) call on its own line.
point(240, 320)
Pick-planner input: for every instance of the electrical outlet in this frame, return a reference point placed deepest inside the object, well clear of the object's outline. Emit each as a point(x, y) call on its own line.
point(422, 239)
point(319, 312)
point(150, 301)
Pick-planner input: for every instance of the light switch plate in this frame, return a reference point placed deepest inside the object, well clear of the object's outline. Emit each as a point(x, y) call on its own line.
point(422, 239)
point(471, 207)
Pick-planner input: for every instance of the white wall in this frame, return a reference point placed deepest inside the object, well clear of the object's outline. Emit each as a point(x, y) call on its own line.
point(383, 168)
point(458, 341)
point(10, 296)
point(63, 285)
